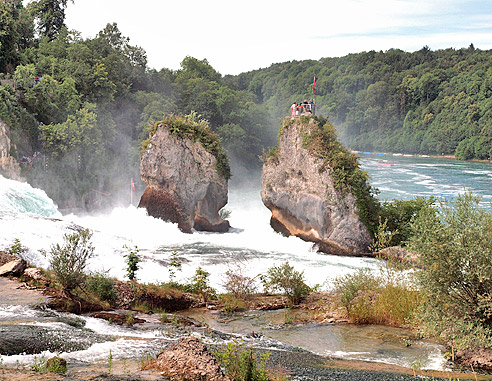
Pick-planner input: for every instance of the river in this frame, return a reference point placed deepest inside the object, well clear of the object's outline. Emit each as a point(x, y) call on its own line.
point(251, 247)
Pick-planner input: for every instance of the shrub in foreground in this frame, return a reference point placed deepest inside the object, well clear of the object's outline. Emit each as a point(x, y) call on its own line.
point(69, 260)
point(380, 299)
point(286, 279)
point(455, 247)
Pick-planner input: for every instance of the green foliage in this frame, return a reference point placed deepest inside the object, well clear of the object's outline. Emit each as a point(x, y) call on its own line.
point(69, 260)
point(15, 248)
point(103, 287)
point(397, 217)
point(231, 303)
point(132, 259)
point(383, 299)
point(174, 265)
point(455, 247)
point(320, 138)
point(53, 365)
point(243, 364)
point(199, 285)
point(286, 279)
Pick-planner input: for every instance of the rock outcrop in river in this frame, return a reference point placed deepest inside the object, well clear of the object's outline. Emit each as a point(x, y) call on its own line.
point(9, 167)
point(310, 182)
point(186, 172)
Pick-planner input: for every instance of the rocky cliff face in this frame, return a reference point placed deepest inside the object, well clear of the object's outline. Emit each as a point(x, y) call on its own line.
point(183, 184)
point(300, 191)
point(9, 167)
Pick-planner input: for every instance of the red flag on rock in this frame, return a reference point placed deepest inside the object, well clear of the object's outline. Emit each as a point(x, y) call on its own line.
point(314, 84)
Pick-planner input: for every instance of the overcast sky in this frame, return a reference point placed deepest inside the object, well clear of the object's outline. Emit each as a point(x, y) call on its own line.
point(238, 36)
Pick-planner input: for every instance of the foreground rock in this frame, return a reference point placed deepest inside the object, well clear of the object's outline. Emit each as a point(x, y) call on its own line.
point(13, 268)
point(299, 188)
point(188, 359)
point(184, 184)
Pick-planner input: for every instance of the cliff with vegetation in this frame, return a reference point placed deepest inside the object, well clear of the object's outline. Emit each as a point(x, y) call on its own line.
point(315, 189)
point(186, 172)
point(9, 167)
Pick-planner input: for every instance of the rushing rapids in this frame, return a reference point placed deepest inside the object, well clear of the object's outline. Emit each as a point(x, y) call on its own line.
point(28, 214)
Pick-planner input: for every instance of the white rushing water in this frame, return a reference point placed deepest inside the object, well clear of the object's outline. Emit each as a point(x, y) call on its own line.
point(251, 246)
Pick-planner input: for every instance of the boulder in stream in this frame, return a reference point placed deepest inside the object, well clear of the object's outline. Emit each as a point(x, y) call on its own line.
point(315, 189)
point(186, 172)
point(188, 359)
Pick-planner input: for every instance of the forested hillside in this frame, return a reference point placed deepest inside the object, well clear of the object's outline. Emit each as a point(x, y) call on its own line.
point(79, 108)
point(87, 104)
point(428, 102)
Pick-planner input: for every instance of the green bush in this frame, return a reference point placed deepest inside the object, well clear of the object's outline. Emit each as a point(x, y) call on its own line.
point(398, 215)
point(199, 284)
point(103, 287)
point(15, 248)
point(287, 280)
point(455, 247)
point(132, 260)
point(231, 303)
point(68, 261)
point(242, 364)
point(383, 299)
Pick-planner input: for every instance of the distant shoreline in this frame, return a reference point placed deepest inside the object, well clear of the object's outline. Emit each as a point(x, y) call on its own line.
point(397, 154)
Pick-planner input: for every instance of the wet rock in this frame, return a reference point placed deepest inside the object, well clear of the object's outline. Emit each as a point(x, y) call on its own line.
point(183, 183)
point(298, 188)
point(118, 318)
point(188, 359)
point(13, 268)
point(18, 339)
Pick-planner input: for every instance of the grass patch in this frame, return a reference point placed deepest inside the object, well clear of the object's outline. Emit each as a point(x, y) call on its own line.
point(377, 299)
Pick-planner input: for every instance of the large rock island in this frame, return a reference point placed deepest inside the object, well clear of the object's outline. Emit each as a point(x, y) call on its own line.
point(9, 167)
point(186, 172)
point(315, 189)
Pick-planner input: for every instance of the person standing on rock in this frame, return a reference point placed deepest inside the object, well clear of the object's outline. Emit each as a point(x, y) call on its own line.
point(294, 108)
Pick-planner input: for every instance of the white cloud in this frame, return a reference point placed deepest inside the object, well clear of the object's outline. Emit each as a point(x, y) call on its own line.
point(241, 36)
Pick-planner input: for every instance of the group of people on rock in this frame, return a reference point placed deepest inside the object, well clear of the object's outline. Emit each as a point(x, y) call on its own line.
point(299, 108)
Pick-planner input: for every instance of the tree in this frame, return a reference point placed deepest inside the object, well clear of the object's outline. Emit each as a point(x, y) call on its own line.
point(50, 15)
point(455, 247)
point(16, 28)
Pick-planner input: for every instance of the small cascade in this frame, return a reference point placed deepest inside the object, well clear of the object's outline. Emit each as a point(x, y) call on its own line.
point(18, 197)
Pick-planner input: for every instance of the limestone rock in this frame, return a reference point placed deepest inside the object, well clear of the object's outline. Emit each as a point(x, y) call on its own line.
point(298, 189)
point(14, 268)
point(9, 167)
point(188, 359)
point(183, 185)
point(35, 274)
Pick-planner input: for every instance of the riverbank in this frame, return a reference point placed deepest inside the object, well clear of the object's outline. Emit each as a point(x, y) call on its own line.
point(318, 308)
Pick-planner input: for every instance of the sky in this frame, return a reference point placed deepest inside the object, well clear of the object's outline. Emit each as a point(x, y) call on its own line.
point(238, 36)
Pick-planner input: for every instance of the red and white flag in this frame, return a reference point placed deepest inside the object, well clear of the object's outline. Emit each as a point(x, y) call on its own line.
point(314, 84)
point(133, 185)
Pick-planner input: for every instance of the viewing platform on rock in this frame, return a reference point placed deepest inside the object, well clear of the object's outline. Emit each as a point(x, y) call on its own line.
point(304, 108)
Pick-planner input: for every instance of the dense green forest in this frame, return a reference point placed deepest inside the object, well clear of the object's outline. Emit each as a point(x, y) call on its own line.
point(87, 104)
point(426, 102)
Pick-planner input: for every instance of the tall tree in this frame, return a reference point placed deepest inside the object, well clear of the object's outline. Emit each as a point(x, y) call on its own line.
point(50, 16)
